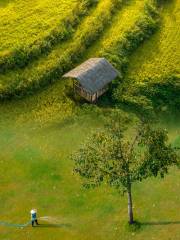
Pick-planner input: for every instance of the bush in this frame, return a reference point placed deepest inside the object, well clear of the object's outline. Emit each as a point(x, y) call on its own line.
point(164, 93)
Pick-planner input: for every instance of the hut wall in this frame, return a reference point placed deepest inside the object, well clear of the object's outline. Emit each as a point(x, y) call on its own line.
point(94, 97)
point(88, 96)
point(82, 92)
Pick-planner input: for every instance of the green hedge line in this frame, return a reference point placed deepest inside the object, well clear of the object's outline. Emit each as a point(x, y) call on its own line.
point(164, 93)
point(21, 57)
point(153, 95)
point(71, 56)
point(142, 30)
point(118, 55)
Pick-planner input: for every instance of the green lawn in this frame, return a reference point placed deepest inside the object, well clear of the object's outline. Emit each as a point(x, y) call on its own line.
point(36, 171)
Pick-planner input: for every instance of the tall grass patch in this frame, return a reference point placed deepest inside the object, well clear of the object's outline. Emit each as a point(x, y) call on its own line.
point(152, 78)
point(42, 32)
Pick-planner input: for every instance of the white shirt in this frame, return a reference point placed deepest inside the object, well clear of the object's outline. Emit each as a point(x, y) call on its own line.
point(33, 214)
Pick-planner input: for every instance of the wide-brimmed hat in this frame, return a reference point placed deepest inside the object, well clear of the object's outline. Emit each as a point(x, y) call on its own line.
point(33, 211)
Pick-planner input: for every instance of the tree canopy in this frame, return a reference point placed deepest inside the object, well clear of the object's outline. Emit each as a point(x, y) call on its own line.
point(119, 159)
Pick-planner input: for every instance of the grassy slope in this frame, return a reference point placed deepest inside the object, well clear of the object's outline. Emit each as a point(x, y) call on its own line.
point(49, 67)
point(24, 22)
point(38, 70)
point(159, 56)
point(49, 103)
point(41, 176)
point(36, 141)
point(121, 23)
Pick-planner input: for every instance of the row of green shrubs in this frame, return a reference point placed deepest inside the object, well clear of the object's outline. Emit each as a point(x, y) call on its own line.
point(153, 95)
point(122, 89)
point(71, 56)
point(21, 57)
point(164, 93)
point(145, 26)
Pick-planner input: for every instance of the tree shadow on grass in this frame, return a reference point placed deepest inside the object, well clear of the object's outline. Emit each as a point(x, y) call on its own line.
point(161, 223)
point(49, 225)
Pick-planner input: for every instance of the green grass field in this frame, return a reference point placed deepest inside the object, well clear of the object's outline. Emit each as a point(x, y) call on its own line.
point(49, 67)
point(36, 171)
point(39, 132)
point(160, 56)
point(50, 64)
point(121, 23)
point(24, 22)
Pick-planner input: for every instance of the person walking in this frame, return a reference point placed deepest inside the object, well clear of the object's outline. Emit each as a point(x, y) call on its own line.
point(34, 217)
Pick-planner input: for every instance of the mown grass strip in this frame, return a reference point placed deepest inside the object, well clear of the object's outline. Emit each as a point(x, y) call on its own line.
point(20, 57)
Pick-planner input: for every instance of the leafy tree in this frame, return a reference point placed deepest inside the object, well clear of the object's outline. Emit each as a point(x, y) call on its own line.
point(111, 156)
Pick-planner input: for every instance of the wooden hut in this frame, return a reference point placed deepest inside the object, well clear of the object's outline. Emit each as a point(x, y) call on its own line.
point(91, 79)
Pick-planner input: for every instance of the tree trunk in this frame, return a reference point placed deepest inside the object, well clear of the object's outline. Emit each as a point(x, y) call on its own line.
point(130, 207)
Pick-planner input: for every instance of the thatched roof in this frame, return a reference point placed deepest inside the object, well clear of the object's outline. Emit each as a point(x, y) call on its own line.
point(93, 74)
